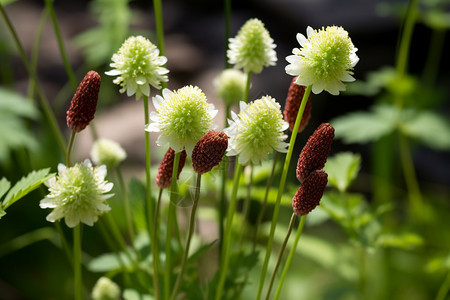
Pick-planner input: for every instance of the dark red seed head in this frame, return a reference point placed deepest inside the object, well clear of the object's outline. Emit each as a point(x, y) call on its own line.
point(293, 101)
point(208, 152)
point(164, 175)
point(314, 154)
point(310, 192)
point(84, 102)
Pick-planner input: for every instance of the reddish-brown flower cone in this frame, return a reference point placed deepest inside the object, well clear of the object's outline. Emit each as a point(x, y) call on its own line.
point(208, 152)
point(314, 154)
point(293, 101)
point(84, 102)
point(310, 192)
point(164, 175)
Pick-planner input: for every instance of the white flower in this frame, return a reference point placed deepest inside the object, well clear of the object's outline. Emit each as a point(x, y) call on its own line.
point(138, 65)
point(107, 152)
point(105, 289)
point(230, 85)
point(256, 131)
point(77, 194)
point(326, 59)
point(182, 118)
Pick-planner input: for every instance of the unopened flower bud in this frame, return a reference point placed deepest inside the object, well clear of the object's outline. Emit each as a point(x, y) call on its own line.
point(105, 289)
point(107, 152)
point(209, 151)
point(164, 175)
point(314, 154)
point(310, 192)
point(293, 101)
point(84, 102)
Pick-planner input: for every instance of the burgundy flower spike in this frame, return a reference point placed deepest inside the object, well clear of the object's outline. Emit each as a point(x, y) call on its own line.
point(310, 192)
point(208, 152)
point(293, 101)
point(164, 175)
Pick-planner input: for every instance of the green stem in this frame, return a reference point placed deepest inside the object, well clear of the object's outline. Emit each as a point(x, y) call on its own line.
point(155, 244)
point(247, 86)
point(443, 290)
point(78, 292)
point(433, 61)
point(223, 198)
point(117, 235)
point(48, 113)
point(62, 50)
point(189, 237)
point(227, 9)
point(246, 208)
point(126, 205)
point(403, 53)
point(280, 256)
point(157, 7)
point(281, 189)
point(69, 148)
point(225, 258)
point(290, 257)
point(64, 243)
point(362, 272)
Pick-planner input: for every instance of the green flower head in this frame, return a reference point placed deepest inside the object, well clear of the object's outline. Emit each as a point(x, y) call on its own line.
point(182, 117)
point(77, 194)
point(326, 59)
point(230, 85)
point(107, 152)
point(256, 131)
point(105, 289)
point(138, 65)
point(252, 48)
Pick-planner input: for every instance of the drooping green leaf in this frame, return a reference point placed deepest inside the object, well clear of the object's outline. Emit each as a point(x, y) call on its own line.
point(26, 185)
point(364, 127)
point(405, 241)
point(342, 169)
point(4, 186)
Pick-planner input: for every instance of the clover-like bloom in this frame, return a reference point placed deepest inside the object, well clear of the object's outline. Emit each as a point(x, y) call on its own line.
point(230, 85)
point(325, 61)
point(105, 289)
point(107, 152)
point(138, 65)
point(252, 48)
point(182, 117)
point(77, 194)
point(256, 131)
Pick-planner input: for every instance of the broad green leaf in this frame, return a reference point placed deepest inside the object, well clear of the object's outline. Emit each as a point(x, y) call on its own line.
point(108, 262)
point(4, 186)
point(26, 185)
point(130, 294)
point(429, 128)
point(405, 241)
point(14, 103)
point(376, 81)
point(342, 169)
point(364, 127)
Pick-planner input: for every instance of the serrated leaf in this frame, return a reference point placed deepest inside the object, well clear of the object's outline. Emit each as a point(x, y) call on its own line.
point(406, 241)
point(26, 185)
point(342, 169)
point(429, 128)
point(4, 186)
point(364, 127)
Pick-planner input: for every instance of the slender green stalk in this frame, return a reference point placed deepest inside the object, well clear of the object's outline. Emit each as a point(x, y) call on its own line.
point(170, 224)
point(225, 258)
point(281, 189)
point(246, 208)
point(155, 244)
point(189, 238)
point(62, 50)
point(247, 86)
point(112, 226)
point(69, 148)
point(48, 113)
point(126, 205)
point(290, 257)
point(227, 9)
point(78, 281)
point(432, 64)
point(64, 242)
point(157, 7)
point(445, 287)
point(280, 256)
point(362, 272)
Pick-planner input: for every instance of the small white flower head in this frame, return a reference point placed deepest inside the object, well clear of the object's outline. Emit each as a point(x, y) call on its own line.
point(77, 194)
point(182, 117)
point(256, 131)
point(230, 85)
point(105, 289)
point(107, 152)
point(325, 61)
point(252, 48)
point(138, 65)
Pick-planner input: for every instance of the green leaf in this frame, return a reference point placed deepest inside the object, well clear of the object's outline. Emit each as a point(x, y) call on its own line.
point(405, 241)
point(26, 185)
point(376, 81)
point(364, 127)
point(429, 128)
point(130, 294)
point(108, 262)
point(342, 169)
point(2, 213)
point(4, 186)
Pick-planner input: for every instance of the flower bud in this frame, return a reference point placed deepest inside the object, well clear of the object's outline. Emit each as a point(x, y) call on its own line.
point(209, 151)
point(84, 102)
point(314, 154)
point(293, 102)
point(105, 289)
point(107, 152)
point(310, 192)
point(164, 175)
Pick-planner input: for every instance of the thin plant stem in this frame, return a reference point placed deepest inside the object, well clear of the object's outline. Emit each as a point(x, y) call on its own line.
point(64, 243)
point(362, 272)
point(445, 287)
point(225, 258)
point(227, 9)
point(170, 224)
point(189, 238)
point(126, 205)
point(247, 86)
point(78, 281)
point(246, 208)
point(433, 61)
point(281, 189)
point(117, 235)
point(280, 256)
point(290, 257)
point(157, 7)
point(48, 113)
point(155, 244)
point(69, 148)
point(264, 204)
point(62, 50)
